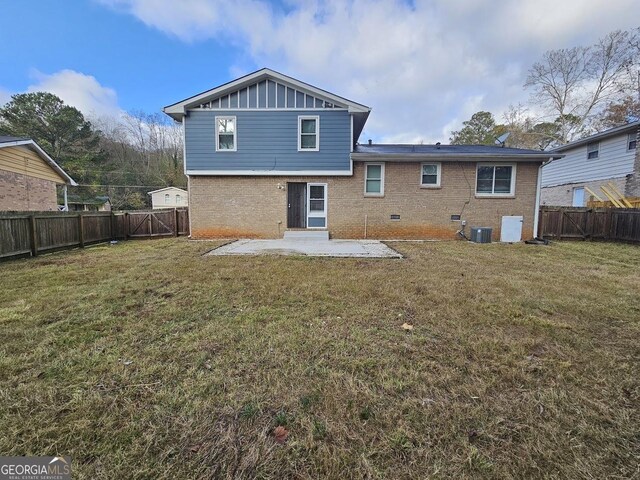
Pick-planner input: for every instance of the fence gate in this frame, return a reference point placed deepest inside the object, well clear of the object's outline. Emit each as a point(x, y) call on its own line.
point(152, 224)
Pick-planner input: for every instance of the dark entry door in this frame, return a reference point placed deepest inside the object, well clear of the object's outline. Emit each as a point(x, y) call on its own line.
point(297, 205)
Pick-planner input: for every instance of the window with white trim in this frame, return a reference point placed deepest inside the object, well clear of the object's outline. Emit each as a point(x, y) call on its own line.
point(226, 134)
point(308, 133)
point(495, 179)
point(593, 150)
point(632, 141)
point(167, 199)
point(374, 179)
point(178, 199)
point(430, 175)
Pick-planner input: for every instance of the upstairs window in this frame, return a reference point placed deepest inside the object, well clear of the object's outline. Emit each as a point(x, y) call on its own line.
point(308, 133)
point(374, 179)
point(178, 199)
point(430, 175)
point(496, 179)
point(167, 199)
point(632, 141)
point(593, 150)
point(226, 134)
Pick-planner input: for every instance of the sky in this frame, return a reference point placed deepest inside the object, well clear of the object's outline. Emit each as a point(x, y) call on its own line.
point(423, 66)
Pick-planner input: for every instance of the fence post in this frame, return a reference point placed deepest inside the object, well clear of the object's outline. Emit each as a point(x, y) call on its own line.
point(81, 230)
point(175, 222)
point(126, 225)
point(33, 232)
point(111, 228)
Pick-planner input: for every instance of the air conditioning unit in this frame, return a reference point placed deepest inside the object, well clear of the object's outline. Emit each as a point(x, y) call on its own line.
point(481, 234)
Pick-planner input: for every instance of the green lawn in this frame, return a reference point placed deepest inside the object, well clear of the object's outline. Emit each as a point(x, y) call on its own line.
point(147, 360)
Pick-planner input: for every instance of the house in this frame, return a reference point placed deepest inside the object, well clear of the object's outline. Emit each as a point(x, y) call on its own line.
point(610, 156)
point(266, 154)
point(79, 203)
point(169, 197)
point(28, 176)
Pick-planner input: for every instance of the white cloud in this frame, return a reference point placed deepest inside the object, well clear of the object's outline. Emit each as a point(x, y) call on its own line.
point(423, 66)
point(78, 90)
point(5, 96)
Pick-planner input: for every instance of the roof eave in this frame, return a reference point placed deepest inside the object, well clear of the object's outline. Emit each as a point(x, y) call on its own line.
point(621, 130)
point(452, 156)
point(183, 105)
point(45, 156)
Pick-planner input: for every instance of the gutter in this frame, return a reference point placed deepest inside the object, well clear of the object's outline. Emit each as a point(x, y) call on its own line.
point(457, 157)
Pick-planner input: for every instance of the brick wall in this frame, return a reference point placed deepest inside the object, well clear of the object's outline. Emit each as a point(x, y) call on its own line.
point(255, 207)
point(562, 195)
point(21, 192)
point(632, 187)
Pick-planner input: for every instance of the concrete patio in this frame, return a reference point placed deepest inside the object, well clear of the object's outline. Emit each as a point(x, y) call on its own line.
point(315, 248)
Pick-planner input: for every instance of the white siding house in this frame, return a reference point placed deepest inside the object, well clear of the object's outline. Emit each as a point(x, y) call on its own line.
point(592, 162)
point(169, 197)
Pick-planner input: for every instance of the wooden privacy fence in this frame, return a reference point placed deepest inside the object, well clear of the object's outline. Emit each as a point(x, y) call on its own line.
point(32, 233)
point(572, 223)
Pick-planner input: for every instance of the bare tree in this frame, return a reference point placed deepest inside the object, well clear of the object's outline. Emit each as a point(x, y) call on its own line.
point(575, 83)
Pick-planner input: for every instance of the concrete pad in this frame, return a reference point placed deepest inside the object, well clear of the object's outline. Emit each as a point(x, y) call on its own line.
point(326, 248)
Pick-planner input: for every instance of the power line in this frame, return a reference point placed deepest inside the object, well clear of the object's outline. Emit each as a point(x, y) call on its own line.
point(125, 186)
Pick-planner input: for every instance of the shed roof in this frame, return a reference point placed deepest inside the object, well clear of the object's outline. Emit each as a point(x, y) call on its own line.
point(167, 188)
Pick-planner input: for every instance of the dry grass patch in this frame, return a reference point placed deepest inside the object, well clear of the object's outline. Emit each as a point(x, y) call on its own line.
point(147, 360)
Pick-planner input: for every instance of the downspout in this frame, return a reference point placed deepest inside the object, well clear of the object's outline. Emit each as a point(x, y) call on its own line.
point(66, 205)
point(536, 213)
point(184, 164)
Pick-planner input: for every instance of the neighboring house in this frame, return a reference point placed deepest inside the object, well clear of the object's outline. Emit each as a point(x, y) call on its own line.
point(28, 176)
point(592, 162)
point(169, 197)
point(94, 204)
point(267, 153)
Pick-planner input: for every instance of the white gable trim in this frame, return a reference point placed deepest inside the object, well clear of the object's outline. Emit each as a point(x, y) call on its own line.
point(178, 109)
point(34, 146)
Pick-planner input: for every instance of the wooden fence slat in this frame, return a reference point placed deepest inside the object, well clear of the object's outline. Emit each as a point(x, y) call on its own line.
point(614, 224)
point(33, 232)
point(36, 232)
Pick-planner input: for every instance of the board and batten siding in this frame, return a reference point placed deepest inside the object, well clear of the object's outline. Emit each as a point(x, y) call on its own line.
point(267, 140)
point(24, 161)
point(614, 161)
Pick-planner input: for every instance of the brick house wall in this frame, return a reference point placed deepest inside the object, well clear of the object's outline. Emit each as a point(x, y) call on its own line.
point(22, 192)
point(255, 207)
point(562, 195)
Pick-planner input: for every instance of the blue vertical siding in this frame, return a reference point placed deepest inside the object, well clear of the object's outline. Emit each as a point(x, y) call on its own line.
point(268, 140)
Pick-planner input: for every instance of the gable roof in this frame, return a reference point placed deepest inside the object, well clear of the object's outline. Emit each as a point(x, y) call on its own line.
point(177, 110)
point(596, 137)
point(167, 188)
point(406, 152)
point(6, 141)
